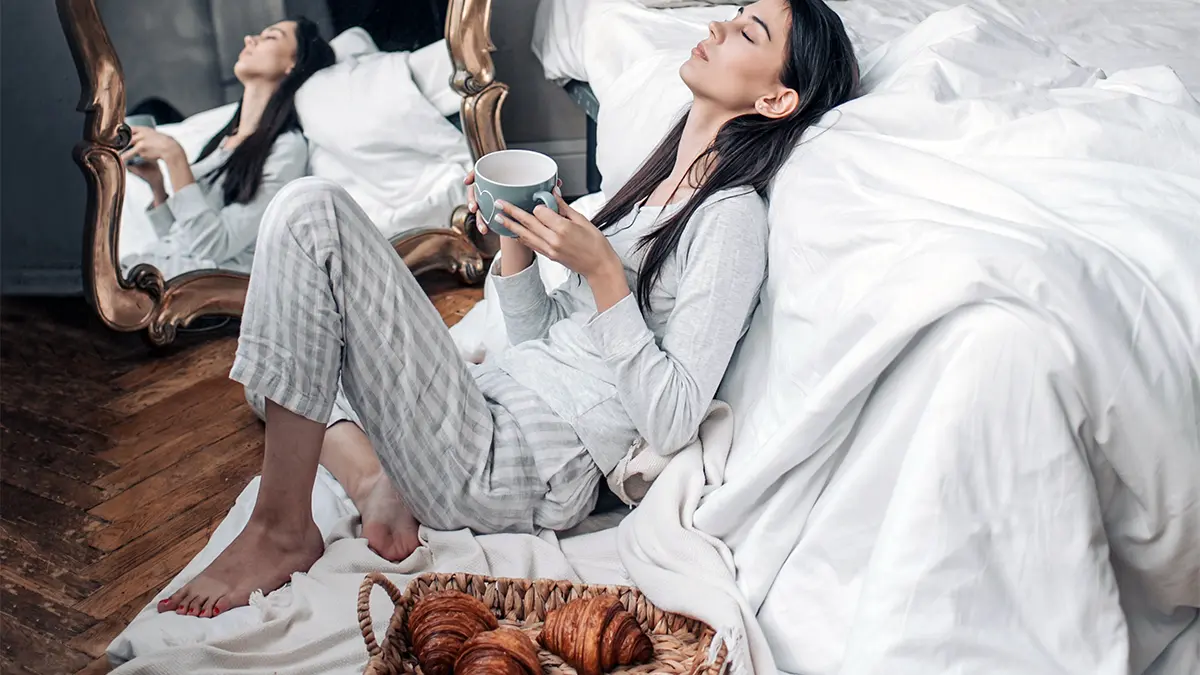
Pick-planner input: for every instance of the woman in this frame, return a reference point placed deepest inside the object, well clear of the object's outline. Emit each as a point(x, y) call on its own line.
point(211, 220)
point(634, 344)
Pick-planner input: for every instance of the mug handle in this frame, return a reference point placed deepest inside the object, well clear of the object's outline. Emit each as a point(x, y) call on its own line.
point(547, 199)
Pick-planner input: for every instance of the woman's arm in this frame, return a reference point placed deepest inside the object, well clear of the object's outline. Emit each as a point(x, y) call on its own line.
point(529, 311)
point(220, 234)
point(666, 389)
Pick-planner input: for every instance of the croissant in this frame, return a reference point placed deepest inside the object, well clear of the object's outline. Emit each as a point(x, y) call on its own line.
point(594, 635)
point(439, 625)
point(504, 651)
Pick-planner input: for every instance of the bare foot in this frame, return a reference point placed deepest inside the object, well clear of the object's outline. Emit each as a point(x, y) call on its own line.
point(262, 558)
point(388, 526)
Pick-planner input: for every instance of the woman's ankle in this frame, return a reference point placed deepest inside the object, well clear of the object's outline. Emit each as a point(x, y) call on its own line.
point(280, 524)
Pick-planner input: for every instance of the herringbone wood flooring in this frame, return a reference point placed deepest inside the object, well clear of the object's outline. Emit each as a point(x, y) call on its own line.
point(118, 461)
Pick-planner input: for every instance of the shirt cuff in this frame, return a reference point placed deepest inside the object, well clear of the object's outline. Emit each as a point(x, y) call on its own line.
point(519, 292)
point(619, 330)
point(188, 203)
point(161, 218)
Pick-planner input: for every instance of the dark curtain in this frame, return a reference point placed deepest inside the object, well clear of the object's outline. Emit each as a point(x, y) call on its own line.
point(395, 25)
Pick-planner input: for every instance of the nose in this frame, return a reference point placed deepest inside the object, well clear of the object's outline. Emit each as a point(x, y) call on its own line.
point(717, 30)
point(248, 40)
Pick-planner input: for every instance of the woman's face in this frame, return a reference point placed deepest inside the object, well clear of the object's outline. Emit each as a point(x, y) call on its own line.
point(741, 60)
point(270, 55)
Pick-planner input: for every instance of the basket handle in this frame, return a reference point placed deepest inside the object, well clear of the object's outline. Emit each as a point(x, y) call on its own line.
point(364, 607)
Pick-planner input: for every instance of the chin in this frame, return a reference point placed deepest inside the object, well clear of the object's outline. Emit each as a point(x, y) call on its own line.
point(690, 73)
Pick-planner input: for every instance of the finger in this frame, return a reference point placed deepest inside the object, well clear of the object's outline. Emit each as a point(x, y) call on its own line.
point(480, 225)
point(527, 220)
point(470, 178)
point(516, 213)
point(568, 213)
point(549, 218)
point(472, 206)
point(526, 237)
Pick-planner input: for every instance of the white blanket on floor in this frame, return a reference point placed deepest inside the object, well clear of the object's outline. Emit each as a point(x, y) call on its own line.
point(311, 625)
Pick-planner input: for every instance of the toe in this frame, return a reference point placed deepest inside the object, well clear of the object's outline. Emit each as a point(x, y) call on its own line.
point(206, 607)
point(172, 603)
point(193, 606)
point(189, 607)
point(181, 602)
point(222, 605)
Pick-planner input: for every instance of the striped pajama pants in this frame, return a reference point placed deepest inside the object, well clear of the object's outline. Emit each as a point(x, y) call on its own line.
point(335, 328)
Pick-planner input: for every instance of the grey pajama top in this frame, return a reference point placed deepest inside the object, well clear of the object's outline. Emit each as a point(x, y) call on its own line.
point(621, 374)
point(197, 230)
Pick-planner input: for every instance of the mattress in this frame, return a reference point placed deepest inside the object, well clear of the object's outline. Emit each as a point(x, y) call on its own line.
point(592, 40)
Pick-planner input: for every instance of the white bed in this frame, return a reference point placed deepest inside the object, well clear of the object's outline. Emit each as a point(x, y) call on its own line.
point(591, 40)
point(966, 431)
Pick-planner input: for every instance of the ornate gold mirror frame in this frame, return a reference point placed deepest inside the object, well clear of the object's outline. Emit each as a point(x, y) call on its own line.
point(145, 300)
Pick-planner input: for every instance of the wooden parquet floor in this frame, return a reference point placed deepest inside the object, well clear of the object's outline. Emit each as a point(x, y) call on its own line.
point(117, 461)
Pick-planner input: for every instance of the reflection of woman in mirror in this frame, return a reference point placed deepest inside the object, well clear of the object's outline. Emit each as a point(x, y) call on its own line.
point(211, 218)
point(358, 372)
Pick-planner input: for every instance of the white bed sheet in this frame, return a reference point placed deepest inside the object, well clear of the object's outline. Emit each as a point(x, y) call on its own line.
point(593, 40)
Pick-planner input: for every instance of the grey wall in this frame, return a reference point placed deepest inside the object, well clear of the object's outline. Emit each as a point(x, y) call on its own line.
point(42, 193)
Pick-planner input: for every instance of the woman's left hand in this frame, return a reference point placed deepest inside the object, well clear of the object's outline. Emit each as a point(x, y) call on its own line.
point(152, 145)
point(565, 237)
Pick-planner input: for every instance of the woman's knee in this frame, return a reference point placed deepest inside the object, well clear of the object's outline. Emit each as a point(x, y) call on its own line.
point(303, 205)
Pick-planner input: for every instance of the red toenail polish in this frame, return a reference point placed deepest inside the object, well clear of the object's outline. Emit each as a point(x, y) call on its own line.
point(216, 611)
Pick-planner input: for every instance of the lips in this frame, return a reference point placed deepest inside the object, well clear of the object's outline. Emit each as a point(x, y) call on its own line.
point(699, 51)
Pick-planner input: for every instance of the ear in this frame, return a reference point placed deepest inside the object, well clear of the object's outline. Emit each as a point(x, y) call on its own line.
point(778, 105)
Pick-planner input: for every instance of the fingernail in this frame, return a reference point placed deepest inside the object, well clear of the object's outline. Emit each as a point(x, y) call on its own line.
point(216, 611)
point(501, 203)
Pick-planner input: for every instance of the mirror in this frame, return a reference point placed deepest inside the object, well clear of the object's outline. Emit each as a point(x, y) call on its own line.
point(230, 101)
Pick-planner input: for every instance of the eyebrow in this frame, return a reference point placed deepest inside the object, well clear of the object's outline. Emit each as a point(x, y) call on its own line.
point(280, 30)
point(764, 26)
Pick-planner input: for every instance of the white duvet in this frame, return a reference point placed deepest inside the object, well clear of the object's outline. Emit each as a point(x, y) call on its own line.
point(594, 40)
point(968, 409)
point(967, 429)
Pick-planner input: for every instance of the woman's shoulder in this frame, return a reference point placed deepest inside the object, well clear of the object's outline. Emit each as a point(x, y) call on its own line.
point(289, 154)
point(290, 144)
point(740, 207)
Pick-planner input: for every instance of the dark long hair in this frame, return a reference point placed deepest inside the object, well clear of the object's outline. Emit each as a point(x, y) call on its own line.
point(749, 149)
point(244, 169)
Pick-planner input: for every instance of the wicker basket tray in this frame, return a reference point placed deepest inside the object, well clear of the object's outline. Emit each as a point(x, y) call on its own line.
point(681, 643)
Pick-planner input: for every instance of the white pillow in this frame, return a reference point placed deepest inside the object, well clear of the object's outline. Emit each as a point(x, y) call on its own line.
point(352, 43)
point(371, 130)
point(432, 70)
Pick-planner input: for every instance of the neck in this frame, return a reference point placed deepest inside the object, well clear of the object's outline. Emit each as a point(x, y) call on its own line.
point(254, 102)
point(703, 122)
